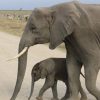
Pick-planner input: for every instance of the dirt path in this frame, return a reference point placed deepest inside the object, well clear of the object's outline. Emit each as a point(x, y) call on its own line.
point(8, 70)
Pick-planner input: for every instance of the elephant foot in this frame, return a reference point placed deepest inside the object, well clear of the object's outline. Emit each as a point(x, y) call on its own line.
point(73, 98)
point(54, 99)
point(84, 98)
point(64, 98)
point(39, 98)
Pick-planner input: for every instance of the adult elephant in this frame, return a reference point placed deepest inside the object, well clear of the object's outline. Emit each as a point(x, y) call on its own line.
point(75, 24)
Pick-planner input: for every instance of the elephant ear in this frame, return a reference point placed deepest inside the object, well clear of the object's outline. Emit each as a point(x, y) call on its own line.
point(44, 73)
point(62, 28)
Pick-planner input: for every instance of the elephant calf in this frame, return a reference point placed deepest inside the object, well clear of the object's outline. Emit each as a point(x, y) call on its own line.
point(53, 69)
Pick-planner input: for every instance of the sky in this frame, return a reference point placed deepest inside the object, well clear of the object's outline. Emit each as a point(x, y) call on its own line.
point(31, 4)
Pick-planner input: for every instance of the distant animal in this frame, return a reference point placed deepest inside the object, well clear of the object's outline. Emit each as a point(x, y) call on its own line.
point(53, 69)
point(10, 17)
point(26, 17)
point(20, 17)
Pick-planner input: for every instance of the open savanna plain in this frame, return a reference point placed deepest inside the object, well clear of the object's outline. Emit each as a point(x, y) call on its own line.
point(13, 21)
point(12, 24)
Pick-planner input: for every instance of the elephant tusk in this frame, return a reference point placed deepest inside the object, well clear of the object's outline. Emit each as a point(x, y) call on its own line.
point(20, 54)
point(82, 75)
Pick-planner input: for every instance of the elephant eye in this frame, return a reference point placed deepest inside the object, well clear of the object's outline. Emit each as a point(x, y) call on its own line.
point(34, 74)
point(34, 29)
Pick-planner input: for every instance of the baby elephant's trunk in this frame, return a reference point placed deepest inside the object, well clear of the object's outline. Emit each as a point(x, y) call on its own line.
point(32, 87)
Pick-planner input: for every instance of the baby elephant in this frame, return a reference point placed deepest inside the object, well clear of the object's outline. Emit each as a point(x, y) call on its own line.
point(53, 69)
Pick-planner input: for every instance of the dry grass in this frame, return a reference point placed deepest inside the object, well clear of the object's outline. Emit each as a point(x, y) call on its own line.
point(15, 27)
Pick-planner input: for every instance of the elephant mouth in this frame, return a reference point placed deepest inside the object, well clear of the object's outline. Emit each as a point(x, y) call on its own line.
point(41, 40)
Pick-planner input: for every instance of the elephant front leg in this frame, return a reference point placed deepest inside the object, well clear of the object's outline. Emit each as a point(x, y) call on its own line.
point(48, 83)
point(73, 68)
point(54, 91)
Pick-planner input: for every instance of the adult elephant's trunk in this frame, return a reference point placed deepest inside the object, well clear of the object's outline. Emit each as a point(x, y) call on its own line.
point(32, 87)
point(22, 62)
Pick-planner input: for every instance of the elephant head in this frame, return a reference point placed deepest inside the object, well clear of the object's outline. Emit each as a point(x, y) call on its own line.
point(45, 25)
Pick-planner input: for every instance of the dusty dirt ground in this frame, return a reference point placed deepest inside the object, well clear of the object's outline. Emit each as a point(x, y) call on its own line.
point(8, 69)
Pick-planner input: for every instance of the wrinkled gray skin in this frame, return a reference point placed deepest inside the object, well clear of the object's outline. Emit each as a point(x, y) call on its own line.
point(78, 25)
point(53, 69)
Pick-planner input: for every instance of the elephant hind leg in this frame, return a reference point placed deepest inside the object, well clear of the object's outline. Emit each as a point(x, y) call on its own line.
point(83, 94)
point(91, 73)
